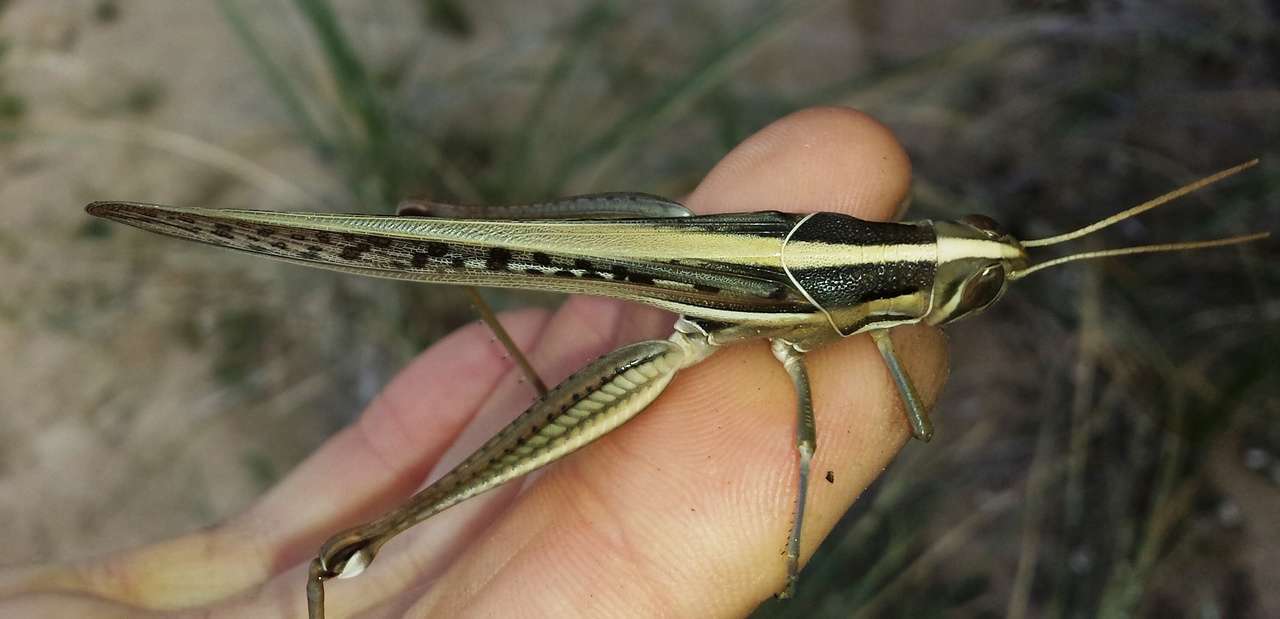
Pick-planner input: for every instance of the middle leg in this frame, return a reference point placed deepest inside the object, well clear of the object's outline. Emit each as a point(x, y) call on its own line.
point(806, 441)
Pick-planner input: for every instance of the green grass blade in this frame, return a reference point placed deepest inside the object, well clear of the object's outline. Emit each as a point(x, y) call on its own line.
point(275, 78)
point(359, 95)
point(715, 67)
point(958, 60)
point(588, 24)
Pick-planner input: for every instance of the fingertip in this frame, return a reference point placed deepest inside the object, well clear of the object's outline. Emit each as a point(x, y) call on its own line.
point(834, 159)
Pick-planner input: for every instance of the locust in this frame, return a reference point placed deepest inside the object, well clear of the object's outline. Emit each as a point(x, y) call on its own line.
point(797, 280)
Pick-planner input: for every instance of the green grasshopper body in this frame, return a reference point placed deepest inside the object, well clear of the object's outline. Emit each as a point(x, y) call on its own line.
point(799, 280)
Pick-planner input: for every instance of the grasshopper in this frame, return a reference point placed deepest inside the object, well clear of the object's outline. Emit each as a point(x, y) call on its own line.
point(798, 280)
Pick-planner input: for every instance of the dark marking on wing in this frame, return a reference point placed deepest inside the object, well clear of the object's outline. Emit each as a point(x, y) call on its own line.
point(498, 258)
point(355, 250)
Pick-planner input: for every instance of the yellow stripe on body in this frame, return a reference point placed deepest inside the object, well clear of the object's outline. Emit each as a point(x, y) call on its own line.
point(804, 255)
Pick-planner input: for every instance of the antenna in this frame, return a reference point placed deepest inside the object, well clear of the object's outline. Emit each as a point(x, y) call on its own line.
point(1142, 208)
point(1137, 210)
point(1141, 249)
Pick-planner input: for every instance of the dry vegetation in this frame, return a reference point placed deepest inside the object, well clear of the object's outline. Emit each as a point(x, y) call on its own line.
point(1109, 442)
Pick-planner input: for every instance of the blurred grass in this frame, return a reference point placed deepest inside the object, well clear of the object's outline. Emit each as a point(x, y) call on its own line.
point(1071, 475)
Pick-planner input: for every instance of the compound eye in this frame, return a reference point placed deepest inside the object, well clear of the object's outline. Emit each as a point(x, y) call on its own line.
point(982, 222)
point(983, 289)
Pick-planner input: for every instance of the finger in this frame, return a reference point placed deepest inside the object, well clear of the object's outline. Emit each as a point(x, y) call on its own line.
point(684, 511)
point(821, 159)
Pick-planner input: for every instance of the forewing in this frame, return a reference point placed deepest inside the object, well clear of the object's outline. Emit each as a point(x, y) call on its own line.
point(722, 263)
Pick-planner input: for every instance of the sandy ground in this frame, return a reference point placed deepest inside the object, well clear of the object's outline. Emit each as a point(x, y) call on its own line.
point(115, 431)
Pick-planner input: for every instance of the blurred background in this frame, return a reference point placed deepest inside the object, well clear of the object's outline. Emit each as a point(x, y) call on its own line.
point(1108, 443)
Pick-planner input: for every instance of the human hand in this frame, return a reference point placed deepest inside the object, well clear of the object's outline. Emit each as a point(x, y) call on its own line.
point(683, 511)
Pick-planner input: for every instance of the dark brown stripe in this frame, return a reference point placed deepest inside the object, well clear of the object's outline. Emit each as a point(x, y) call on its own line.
point(846, 286)
point(837, 229)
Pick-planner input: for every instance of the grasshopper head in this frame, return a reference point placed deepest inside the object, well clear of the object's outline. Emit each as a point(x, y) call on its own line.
point(975, 261)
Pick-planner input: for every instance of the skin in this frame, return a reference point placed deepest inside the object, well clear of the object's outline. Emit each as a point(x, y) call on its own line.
point(683, 511)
